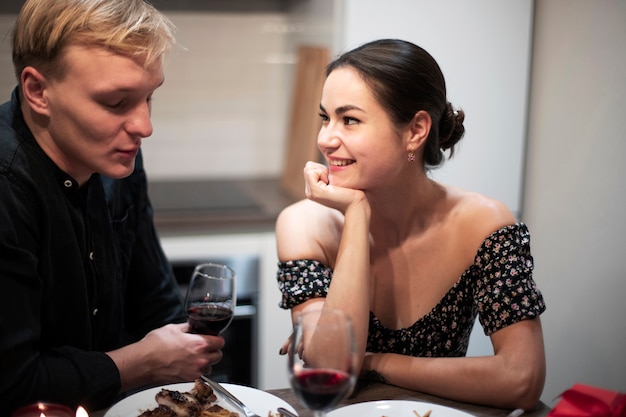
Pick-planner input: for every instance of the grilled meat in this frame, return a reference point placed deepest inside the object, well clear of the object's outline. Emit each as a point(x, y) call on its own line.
point(217, 411)
point(198, 402)
point(160, 411)
point(182, 403)
point(202, 392)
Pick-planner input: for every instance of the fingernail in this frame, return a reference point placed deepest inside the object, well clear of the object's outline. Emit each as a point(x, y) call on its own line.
point(281, 351)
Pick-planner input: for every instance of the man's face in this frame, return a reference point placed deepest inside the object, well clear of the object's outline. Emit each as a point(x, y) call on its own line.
point(99, 112)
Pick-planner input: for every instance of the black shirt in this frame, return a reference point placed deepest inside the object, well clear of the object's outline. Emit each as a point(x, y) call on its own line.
point(81, 272)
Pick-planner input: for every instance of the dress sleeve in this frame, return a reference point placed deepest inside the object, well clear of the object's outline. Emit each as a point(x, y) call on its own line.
point(506, 292)
point(301, 280)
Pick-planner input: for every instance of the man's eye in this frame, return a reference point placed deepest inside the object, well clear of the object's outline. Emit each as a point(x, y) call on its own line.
point(114, 104)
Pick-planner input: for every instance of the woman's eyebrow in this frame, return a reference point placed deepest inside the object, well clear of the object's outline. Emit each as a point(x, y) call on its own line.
point(342, 109)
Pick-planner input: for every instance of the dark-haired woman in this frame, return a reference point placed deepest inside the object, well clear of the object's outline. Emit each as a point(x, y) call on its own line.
point(411, 260)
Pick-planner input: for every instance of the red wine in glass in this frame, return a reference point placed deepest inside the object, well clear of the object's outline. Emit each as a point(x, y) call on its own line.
point(321, 389)
point(211, 299)
point(322, 359)
point(209, 319)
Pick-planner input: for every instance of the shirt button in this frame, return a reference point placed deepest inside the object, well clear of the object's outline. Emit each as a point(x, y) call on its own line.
point(95, 311)
point(91, 256)
point(67, 183)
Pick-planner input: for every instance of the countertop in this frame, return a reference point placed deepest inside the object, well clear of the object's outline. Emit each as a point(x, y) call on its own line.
point(192, 207)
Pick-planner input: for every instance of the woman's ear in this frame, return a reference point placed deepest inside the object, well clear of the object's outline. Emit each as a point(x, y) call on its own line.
point(33, 90)
point(419, 130)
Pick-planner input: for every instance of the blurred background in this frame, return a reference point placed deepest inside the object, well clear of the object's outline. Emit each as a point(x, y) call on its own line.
point(543, 87)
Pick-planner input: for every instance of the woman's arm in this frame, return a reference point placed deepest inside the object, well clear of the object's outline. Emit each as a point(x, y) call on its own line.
point(350, 287)
point(512, 378)
point(318, 231)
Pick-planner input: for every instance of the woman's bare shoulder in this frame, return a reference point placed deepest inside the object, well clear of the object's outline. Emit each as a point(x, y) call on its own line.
point(304, 213)
point(479, 215)
point(307, 230)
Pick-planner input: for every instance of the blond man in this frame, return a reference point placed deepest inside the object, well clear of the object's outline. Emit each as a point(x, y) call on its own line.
point(89, 308)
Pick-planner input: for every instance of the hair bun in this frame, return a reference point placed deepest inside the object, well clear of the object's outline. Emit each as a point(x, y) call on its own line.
point(451, 128)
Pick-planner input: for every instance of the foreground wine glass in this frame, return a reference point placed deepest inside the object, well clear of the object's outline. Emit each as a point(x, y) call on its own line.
point(322, 359)
point(211, 299)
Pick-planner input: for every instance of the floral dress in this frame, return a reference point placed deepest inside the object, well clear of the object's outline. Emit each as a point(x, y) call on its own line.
point(498, 287)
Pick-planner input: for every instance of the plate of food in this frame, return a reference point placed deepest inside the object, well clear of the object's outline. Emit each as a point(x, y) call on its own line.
point(195, 399)
point(397, 408)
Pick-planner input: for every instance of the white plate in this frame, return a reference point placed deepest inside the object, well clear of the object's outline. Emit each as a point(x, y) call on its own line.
point(258, 401)
point(395, 408)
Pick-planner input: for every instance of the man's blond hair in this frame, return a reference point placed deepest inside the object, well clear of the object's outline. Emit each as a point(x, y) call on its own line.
point(128, 27)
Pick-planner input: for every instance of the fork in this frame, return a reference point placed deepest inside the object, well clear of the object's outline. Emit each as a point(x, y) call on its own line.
point(225, 393)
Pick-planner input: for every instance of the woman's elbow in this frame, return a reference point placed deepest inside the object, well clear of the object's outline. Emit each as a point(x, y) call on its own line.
point(527, 389)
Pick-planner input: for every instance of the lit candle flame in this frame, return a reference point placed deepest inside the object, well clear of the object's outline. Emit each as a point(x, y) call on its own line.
point(81, 412)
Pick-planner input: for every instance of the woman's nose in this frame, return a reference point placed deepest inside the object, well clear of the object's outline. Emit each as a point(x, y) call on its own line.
point(327, 139)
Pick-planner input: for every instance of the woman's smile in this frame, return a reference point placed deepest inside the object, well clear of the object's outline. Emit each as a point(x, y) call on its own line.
point(340, 162)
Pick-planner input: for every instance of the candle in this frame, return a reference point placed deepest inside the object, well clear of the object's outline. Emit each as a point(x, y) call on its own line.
point(81, 412)
point(44, 410)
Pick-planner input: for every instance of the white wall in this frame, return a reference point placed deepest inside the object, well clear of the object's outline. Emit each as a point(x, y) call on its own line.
point(221, 112)
point(483, 48)
point(575, 194)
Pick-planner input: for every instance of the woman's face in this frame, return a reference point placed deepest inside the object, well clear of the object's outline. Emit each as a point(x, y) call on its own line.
point(361, 146)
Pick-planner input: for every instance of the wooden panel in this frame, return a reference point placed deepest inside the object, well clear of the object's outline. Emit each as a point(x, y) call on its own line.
point(304, 120)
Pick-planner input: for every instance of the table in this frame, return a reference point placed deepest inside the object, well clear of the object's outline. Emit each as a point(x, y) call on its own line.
point(373, 391)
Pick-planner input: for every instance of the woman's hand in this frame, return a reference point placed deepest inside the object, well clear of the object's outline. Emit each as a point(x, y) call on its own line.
point(319, 189)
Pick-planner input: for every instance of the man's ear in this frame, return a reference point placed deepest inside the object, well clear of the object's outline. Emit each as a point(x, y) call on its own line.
point(33, 89)
point(419, 129)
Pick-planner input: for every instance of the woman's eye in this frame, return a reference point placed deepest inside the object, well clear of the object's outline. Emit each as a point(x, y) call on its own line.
point(324, 117)
point(350, 121)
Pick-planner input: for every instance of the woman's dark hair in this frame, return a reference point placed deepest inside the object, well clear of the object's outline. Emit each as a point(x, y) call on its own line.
point(405, 79)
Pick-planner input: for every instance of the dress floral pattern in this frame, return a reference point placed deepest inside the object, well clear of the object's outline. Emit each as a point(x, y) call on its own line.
point(498, 287)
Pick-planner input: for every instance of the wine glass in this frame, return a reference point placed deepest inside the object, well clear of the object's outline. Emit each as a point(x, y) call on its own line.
point(322, 359)
point(211, 299)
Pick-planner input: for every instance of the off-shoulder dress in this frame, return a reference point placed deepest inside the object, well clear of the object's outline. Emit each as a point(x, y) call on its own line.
point(498, 287)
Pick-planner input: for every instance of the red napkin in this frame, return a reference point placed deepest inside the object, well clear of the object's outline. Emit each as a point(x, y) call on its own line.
point(587, 401)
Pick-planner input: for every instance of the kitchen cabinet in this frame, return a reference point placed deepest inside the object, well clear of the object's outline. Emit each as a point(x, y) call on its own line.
point(10, 6)
point(247, 6)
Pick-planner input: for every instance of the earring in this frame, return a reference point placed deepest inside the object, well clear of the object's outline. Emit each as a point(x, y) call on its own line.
point(411, 156)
